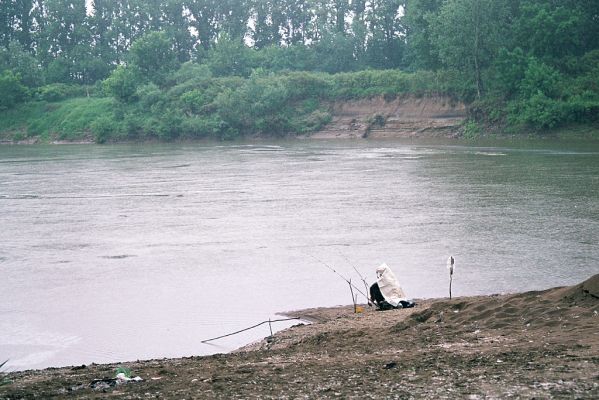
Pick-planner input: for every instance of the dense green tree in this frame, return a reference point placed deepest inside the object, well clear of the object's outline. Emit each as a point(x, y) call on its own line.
point(16, 22)
point(13, 91)
point(297, 57)
point(58, 70)
point(234, 16)
point(552, 32)
point(359, 29)
point(468, 34)
point(154, 56)
point(230, 57)
point(540, 78)
point(508, 71)
point(385, 47)
point(334, 53)
point(205, 19)
point(176, 27)
point(7, 16)
point(64, 28)
point(421, 52)
point(103, 32)
point(21, 62)
point(328, 18)
point(122, 83)
point(129, 22)
point(539, 102)
point(265, 31)
point(295, 17)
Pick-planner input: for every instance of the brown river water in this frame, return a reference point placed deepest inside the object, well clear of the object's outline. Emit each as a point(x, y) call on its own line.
point(125, 252)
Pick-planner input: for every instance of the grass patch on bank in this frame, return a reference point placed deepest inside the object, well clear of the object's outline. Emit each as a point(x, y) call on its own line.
point(389, 84)
point(63, 120)
point(70, 119)
point(14, 123)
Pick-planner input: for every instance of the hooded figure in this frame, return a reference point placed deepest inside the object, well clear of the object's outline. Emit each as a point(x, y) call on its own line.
point(386, 292)
point(389, 285)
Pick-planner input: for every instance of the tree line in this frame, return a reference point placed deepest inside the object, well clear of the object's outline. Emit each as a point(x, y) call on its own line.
point(518, 62)
point(75, 43)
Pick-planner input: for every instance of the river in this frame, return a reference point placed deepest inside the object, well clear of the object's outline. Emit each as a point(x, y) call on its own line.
point(124, 252)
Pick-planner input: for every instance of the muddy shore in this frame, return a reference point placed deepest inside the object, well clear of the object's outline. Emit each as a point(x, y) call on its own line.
point(527, 345)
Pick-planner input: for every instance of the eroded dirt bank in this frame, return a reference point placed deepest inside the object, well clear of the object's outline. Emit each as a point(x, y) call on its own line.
point(529, 345)
point(407, 116)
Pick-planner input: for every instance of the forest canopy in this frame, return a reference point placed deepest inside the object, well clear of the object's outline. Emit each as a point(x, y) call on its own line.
point(171, 68)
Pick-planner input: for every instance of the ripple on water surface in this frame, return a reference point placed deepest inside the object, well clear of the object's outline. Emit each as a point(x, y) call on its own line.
point(188, 242)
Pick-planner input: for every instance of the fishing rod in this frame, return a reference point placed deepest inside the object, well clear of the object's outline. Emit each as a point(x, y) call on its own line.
point(251, 327)
point(359, 274)
point(341, 276)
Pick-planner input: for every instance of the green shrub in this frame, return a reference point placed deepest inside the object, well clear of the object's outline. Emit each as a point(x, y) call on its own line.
point(273, 124)
point(387, 83)
point(12, 90)
point(302, 85)
point(168, 126)
point(311, 122)
point(103, 128)
point(190, 72)
point(122, 83)
point(59, 91)
point(540, 78)
point(194, 101)
point(201, 127)
point(538, 111)
point(583, 107)
point(309, 105)
point(471, 130)
point(149, 97)
point(59, 70)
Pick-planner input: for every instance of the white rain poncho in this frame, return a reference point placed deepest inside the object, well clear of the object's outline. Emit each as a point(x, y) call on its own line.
point(389, 285)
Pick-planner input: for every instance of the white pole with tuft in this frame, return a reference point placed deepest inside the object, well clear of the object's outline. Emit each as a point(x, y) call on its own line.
point(450, 267)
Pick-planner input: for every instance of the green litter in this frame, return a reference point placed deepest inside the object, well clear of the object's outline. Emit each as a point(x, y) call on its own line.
point(123, 370)
point(3, 380)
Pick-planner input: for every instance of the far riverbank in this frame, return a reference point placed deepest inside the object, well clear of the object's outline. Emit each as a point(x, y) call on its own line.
point(75, 121)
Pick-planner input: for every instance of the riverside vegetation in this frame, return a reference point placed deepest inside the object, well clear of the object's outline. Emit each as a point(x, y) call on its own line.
point(129, 70)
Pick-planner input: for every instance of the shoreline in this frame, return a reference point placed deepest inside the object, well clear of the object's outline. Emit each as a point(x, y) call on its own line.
point(592, 136)
point(467, 347)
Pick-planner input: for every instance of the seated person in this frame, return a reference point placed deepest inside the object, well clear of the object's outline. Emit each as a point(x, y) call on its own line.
point(377, 298)
point(386, 292)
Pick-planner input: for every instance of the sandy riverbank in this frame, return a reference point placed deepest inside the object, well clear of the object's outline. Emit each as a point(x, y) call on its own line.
point(528, 345)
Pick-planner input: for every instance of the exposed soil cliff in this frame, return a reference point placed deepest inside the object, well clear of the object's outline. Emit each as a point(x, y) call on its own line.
point(401, 117)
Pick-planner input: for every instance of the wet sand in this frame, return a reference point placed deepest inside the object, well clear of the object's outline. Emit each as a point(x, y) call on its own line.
point(528, 345)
